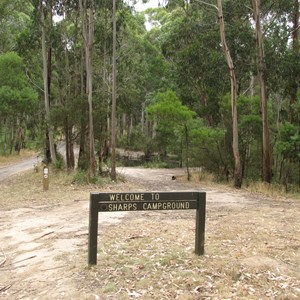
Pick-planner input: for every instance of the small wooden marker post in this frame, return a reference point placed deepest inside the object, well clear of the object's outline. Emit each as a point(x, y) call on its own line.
point(135, 201)
point(46, 178)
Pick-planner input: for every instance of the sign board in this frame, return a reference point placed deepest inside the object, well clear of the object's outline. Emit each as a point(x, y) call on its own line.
point(136, 201)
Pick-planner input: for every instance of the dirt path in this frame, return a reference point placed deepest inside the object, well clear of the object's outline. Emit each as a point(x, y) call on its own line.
point(44, 247)
point(24, 165)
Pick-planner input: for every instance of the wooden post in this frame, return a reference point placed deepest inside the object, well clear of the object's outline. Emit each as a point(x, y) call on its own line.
point(200, 224)
point(46, 178)
point(93, 231)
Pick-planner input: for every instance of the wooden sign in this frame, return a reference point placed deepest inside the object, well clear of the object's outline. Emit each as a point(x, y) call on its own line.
point(136, 201)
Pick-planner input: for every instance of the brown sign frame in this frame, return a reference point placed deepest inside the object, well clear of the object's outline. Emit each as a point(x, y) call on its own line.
point(141, 201)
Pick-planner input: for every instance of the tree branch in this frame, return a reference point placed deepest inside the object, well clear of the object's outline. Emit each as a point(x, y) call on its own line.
point(209, 4)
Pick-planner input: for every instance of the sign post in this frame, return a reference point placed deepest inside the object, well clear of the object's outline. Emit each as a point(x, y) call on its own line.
point(46, 178)
point(112, 202)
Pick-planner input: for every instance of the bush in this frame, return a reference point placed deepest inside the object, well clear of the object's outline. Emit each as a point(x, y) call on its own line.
point(59, 163)
point(83, 178)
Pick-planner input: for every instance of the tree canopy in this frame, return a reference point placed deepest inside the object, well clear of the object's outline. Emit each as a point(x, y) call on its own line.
point(173, 83)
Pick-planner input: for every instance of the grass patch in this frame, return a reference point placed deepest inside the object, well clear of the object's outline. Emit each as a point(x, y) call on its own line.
point(6, 160)
point(273, 190)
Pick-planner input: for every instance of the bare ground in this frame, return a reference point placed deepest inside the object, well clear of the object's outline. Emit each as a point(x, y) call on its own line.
point(251, 249)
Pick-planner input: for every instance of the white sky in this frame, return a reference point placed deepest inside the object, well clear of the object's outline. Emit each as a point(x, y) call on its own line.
point(152, 3)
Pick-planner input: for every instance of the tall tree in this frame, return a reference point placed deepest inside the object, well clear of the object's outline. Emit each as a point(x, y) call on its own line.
point(46, 82)
point(88, 23)
point(267, 173)
point(238, 176)
point(295, 45)
point(235, 135)
point(114, 96)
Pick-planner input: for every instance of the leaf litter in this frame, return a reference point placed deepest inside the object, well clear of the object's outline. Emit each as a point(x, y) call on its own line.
point(251, 247)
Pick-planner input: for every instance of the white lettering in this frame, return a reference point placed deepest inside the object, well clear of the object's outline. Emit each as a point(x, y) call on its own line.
point(126, 197)
point(166, 205)
point(122, 207)
point(155, 196)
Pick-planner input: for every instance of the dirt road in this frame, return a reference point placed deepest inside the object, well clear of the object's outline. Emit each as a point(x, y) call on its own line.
point(43, 251)
point(24, 165)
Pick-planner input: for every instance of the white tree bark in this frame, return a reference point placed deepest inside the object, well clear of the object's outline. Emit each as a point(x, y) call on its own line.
point(235, 135)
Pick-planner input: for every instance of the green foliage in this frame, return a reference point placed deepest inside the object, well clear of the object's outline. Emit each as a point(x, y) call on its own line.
point(17, 101)
point(250, 133)
point(173, 119)
point(14, 17)
point(289, 141)
point(169, 110)
point(137, 140)
point(59, 163)
point(82, 178)
point(16, 96)
point(156, 163)
point(208, 147)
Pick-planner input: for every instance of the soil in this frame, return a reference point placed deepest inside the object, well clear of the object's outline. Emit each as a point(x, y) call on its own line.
point(43, 235)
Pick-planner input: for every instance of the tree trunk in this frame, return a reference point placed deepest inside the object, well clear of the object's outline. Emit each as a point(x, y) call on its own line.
point(238, 177)
point(76, 88)
point(49, 133)
point(267, 174)
point(88, 36)
point(12, 138)
point(187, 144)
point(295, 43)
point(114, 96)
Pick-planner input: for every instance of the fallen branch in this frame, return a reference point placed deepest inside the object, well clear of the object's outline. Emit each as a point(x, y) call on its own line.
point(40, 237)
point(4, 260)
point(5, 288)
point(16, 262)
point(58, 267)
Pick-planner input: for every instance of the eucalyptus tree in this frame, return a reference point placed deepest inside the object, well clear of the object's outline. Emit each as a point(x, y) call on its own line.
point(235, 141)
point(46, 59)
point(283, 73)
point(114, 94)
point(196, 42)
point(294, 85)
point(88, 23)
point(266, 160)
point(192, 51)
point(140, 71)
point(276, 65)
point(68, 106)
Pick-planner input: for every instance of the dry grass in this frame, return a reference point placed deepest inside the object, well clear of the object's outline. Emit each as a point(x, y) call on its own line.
point(26, 189)
point(151, 257)
point(15, 158)
point(273, 190)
